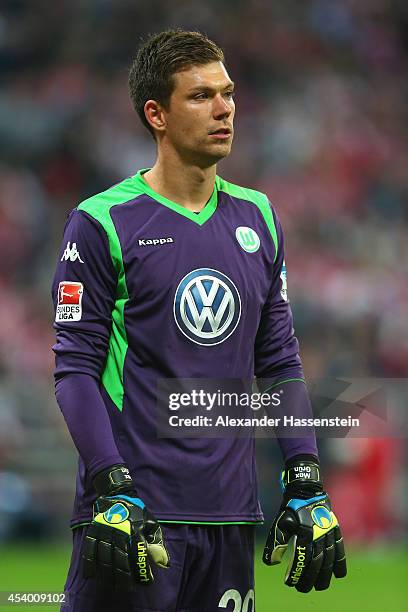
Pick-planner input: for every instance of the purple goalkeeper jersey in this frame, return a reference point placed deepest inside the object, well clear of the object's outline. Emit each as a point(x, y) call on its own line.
point(146, 289)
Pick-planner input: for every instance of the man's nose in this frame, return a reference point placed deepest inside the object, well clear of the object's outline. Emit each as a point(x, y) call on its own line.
point(221, 107)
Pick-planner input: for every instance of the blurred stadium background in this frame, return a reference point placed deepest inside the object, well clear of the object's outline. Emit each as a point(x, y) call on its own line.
point(322, 128)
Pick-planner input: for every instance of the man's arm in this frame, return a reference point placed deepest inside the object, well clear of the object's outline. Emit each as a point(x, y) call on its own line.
point(83, 292)
point(119, 550)
point(278, 366)
point(305, 515)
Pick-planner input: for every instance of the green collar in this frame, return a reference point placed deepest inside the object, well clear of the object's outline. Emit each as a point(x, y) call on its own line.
point(200, 218)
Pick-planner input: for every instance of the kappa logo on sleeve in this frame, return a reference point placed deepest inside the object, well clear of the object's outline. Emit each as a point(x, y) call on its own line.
point(69, 307)
point(71, 253)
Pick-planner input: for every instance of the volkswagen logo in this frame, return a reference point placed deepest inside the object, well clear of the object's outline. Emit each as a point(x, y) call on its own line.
point(207, 306)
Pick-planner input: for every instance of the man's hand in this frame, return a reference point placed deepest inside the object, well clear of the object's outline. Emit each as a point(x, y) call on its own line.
point(124, 538)
point(306, 516)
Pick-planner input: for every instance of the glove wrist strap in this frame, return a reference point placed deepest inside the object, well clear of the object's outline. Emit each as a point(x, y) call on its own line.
point(113, 480)
point(302, 472)
point(302, 479)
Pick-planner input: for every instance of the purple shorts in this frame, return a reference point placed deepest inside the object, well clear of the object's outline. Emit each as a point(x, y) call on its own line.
point(212, 568)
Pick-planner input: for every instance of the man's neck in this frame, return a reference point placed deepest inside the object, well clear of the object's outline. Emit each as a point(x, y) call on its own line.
point(188, 185)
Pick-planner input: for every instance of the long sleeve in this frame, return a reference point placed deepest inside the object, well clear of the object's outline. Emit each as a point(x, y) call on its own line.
point(80, 401)
point(278, 365)
point(83, 293)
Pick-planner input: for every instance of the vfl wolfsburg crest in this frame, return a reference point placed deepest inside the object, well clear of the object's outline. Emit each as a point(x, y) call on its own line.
point(248, 239)
point(207, 306)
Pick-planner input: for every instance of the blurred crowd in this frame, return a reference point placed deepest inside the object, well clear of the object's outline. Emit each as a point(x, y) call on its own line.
point(321, 127)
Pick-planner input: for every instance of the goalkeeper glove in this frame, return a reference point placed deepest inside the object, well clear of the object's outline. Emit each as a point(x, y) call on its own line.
point(123, 537)
point(306, 515)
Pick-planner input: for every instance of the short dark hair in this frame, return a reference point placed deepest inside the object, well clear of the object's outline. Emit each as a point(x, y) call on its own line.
point(159, 57)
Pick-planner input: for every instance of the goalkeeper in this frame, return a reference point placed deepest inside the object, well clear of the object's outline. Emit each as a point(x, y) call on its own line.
point(176, 273)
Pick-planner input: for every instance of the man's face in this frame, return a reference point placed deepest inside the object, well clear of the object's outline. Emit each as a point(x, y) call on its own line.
point(199, 121)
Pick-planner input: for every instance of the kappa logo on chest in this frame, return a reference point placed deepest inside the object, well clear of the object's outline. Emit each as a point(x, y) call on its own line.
point(155, 241)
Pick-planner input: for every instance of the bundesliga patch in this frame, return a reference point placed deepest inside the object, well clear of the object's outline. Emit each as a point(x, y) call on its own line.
point(284, 283)
point(69, 307)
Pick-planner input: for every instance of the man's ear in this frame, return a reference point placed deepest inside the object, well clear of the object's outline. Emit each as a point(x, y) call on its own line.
point(154, 114)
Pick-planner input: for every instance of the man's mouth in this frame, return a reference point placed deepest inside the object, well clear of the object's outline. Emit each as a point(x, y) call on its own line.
point(222, 133)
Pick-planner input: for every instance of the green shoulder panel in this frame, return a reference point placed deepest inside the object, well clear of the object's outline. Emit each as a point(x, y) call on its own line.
point(99, 207)
point(255, 197)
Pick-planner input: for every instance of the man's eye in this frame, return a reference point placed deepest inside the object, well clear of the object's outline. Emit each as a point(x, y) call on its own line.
point(230, 94)
point(201, 96)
